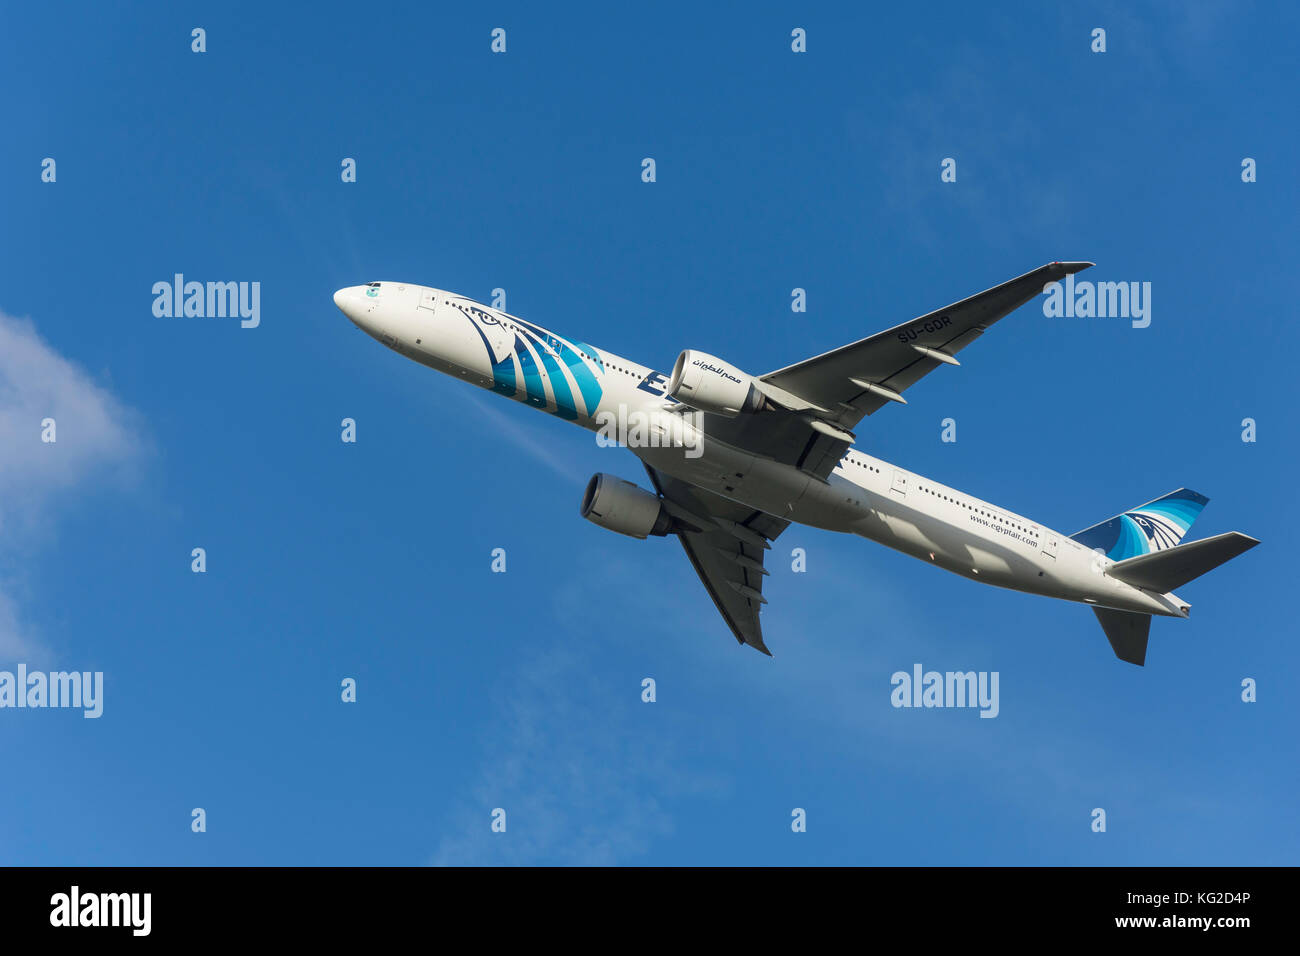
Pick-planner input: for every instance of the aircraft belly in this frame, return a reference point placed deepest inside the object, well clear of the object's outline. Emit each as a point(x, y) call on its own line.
point(720, 468)
point(846, 506)
point(838, 504)
point(989, 563)
point(759, 483)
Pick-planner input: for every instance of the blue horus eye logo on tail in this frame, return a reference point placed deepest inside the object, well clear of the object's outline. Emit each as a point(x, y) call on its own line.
point(1154, 526)
point(521, 350)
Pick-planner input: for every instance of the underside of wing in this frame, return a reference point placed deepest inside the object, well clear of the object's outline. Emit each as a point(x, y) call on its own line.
point(812, 407)
point(727, 553)
point(857, 379)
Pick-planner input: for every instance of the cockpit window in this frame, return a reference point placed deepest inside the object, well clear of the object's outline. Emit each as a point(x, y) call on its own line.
point(372, 285)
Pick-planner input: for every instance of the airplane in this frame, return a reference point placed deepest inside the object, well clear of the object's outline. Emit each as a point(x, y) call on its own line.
point(734, 459)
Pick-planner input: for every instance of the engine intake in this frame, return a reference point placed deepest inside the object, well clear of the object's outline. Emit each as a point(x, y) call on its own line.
point(709, 384)
point(621, 506)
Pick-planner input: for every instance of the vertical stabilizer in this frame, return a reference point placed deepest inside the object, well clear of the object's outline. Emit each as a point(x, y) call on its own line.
point(1151, 527)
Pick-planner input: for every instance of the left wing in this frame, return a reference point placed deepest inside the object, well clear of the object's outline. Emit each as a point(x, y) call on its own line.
point(727, 553)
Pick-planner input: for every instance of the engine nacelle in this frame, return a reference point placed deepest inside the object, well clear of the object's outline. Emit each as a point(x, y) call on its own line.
point(621, 506)
point(706, 382)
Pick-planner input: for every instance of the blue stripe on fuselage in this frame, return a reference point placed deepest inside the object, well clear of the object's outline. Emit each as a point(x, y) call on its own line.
point(532, 379)
point(587, 384)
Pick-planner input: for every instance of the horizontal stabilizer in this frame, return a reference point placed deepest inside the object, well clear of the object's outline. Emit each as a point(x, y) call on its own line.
point(1163, 571)
point(1127, 633)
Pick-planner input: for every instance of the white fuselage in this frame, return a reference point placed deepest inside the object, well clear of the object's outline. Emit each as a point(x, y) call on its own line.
point(863, 495)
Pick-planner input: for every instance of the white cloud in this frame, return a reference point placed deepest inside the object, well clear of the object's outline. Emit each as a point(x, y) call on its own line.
point(582, 782)
point(13, 646)
point(95, 435)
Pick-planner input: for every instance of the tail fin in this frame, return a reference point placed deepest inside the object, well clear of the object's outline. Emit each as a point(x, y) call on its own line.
point(1151, 527)
point(1174, 567)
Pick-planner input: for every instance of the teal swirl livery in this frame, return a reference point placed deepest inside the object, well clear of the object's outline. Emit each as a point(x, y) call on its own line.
point(1154, 526)
point(535, 350)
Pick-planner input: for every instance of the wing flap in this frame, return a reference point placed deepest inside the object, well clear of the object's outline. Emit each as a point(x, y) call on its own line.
point(727, 553)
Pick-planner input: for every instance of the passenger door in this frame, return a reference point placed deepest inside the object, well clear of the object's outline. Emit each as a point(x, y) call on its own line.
point(1050, 542)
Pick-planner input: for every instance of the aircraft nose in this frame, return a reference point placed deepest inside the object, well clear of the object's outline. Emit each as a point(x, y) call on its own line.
point(346, 300)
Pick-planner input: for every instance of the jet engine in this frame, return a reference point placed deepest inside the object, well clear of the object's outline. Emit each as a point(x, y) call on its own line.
point(621, 506)
point(709, 384)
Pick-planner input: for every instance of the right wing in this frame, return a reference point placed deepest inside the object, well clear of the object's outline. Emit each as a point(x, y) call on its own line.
point(859, 378)
point(823, 398)
point(727, 553)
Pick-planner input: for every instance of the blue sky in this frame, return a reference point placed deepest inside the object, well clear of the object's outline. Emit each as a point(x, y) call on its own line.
point(521, 690)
